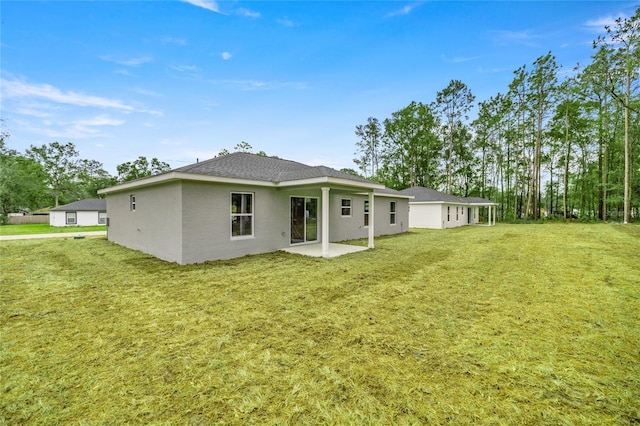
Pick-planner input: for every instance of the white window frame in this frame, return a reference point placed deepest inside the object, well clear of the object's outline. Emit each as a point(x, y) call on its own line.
point(102, 218)
point(448, 213)
point(132, 202)
point(366, 213)
point(457, 216)
point(251, 215)
point(344, 207)
point(66, 218)
point(393, 208)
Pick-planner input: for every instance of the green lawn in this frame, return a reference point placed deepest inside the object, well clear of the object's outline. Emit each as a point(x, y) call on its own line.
point(45, 228)
point(515, 324)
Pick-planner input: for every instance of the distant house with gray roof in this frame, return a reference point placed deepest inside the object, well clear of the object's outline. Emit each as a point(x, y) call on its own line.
point(89, 212)
point(437, 210)
point(241, 204)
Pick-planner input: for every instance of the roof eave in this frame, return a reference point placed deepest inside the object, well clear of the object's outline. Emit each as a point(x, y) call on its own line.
point(328, 180)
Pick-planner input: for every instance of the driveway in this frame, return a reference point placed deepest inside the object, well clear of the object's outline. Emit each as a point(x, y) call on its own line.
point(58, 235)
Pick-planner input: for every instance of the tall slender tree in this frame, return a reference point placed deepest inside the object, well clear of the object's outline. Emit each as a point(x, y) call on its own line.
point(453, 103)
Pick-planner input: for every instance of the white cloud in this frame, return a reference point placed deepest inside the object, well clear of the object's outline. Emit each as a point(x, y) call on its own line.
point(184, 68)
point(248, 85)
point(128, 62)
point(507, 37)
point(598, 24)
point(403, 11)
point(248, 13)
point(286, 22)
point(459, 59)
point(205, 4)
point(174, 40)
point(226, 55)
point(100, 120)
point(21, 89)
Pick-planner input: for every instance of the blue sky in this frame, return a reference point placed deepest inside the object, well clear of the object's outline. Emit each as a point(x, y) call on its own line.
point(180, 80)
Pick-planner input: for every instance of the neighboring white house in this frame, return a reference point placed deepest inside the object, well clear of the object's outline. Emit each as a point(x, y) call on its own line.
point(89, 212)
point(436, 210)
point(240, 204)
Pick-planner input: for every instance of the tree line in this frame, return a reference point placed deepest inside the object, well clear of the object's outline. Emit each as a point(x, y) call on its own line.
point(565, 148)
point(53, 174)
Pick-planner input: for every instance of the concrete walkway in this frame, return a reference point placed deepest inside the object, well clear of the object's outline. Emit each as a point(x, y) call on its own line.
point(58, 235)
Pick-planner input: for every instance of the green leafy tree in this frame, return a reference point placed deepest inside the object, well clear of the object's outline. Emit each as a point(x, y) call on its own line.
point(140, 168)
point(625, 37)
point(454, 103)
point(543, 88)
point(412, 149)
point(369, 146)
point(21, 181)
point(60, 163)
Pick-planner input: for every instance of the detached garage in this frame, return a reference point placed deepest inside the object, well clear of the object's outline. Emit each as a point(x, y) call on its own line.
point(89, 212)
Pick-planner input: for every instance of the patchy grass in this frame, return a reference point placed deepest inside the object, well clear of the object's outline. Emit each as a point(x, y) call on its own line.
point(536, 324)
point(45, 228)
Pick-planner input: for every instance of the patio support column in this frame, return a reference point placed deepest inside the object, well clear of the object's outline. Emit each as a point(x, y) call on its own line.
point(325, 221)
point(372, 222)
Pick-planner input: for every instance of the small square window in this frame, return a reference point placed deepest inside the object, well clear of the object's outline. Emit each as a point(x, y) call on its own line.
point(346, 207)
point(71, 218)
point(102, 218)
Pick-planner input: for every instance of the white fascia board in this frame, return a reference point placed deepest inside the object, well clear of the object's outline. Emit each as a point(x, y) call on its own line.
point(385, 194)
point(172, 176)
point(483, 204)
point(326, 180)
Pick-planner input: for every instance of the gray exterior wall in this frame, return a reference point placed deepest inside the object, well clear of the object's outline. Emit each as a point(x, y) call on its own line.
point(155, 227)
point(351, 228)
point(206, 226)
point(190, 222)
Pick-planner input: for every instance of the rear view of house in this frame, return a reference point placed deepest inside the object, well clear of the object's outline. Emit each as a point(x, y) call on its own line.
point(241, 204)
point(89, 212)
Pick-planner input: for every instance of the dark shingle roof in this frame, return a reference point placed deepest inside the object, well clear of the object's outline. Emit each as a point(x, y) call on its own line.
point(90, 204)
point(478, 200)
point(243, 165)
point(423, 194)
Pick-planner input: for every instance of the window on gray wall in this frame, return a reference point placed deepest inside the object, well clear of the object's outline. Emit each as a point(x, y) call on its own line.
point(132, 203)
point(241, 214)
point(346, 207)
point(392, 213)
point(366, 212)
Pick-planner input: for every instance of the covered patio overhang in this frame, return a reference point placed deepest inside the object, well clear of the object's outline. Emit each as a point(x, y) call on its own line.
point(326, 185)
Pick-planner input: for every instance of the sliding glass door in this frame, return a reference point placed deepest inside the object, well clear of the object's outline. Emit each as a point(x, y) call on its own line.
point(304, 219)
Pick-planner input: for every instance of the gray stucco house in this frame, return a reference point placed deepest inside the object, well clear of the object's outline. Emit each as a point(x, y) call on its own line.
point(437, 210)
point(241, 204)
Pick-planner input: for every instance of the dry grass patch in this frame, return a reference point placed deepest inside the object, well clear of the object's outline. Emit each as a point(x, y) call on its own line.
point(507, 325)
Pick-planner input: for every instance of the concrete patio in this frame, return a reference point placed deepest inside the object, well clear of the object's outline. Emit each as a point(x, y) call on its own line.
point(315, 250)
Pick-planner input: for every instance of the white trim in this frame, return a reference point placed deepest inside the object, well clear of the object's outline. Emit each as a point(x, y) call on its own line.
point(325, 221)
point(372, 224)
point(251, 215)
point(350, 207)
point(292, 244)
